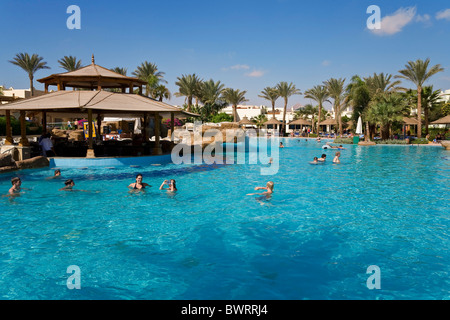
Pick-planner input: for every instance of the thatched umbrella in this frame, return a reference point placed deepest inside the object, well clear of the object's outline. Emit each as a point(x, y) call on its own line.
point(301, 122)
point(244, 121)
point(444, 120)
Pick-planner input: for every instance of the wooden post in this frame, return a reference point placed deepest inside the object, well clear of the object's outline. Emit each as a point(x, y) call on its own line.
point(172, 126)
point(23, 130)
point(99, 127)
point(90, 152)
point(157, 148)
point(46, 88)
point(145, 128)
point(131, 88)
point(140, 90)
point(9, 140)
point(44, 122)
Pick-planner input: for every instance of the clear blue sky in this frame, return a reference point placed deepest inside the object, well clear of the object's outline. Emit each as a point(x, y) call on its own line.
point(246, 44)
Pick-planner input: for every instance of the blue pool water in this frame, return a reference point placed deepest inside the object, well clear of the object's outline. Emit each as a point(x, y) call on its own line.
point(314, 239)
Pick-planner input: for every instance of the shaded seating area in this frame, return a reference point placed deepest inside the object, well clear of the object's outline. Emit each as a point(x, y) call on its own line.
point(94, 103)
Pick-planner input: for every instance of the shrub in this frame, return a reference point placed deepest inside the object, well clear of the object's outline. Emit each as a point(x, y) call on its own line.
point(343, 140)
point(390, 141)
point(419, 141)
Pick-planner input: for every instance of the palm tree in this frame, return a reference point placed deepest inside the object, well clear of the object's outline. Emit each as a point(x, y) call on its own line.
point(119, 70)
point(430, 100)
point(358, 96)
point(271, 94)
point(234, 97)
point(30, 65)
point(335, 88)
point(306, 112)
point(285, 91)
point(189, 86)
point(148, 72)
point(210, 92)
point(162, 92)
point(381, 83)
point(320, 95)
point(418, 72)
point(386, 109)
point(259, 120)
point(69, 63)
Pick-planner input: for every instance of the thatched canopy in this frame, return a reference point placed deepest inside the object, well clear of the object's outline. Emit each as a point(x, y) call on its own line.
point(410, 121)
point(444, 120)
point(328, 122)
point(303, 122)
point(272, 121)
point(245, 121)
point(102, 102)
point(92, 77)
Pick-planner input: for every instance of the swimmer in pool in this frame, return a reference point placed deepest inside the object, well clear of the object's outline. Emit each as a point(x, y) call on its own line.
point(322, 159)
point(171, 185)
point(138, 185)
point(336, 158)
point(269, 189)
point(16, 183)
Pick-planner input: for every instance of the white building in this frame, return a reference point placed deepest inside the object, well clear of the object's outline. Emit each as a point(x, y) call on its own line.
point(444, 96)
point(19, 93)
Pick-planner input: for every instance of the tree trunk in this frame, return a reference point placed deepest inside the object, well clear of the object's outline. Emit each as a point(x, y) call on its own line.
point(419, 112)
point(318, 121)
point(234, 113)
point(425, 110)
point(189, 104)
point(31, 85)
point(273, 110)
point(367, 136)
point(283, 126)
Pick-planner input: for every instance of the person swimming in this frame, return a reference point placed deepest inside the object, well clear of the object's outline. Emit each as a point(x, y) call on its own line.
point(269, 189)
point(16, 183)
point(68, 185)
point(171, 185)
point(281, 145)
point(322, 159)
point(336, 157)
point(138, 185)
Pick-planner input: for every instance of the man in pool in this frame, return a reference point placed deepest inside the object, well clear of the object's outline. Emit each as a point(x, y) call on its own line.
point(322, 159)
point(16, 183)
point(68, 185)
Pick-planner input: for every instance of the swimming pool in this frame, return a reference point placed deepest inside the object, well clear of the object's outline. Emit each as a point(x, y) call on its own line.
point(314, 239)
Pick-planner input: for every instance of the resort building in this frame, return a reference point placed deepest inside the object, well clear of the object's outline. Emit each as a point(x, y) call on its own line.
point(17, 94)
point(444, 96)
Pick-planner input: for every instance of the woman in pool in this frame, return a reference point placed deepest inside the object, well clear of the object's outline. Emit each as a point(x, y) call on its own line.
point(269, 189)
point(281, 145)
point(171, 185)
point(138, 185)
point(322, 159)
point(336, 157)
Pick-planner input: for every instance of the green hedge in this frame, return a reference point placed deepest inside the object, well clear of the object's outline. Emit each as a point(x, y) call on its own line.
point(343, 140)
point(15, 124)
